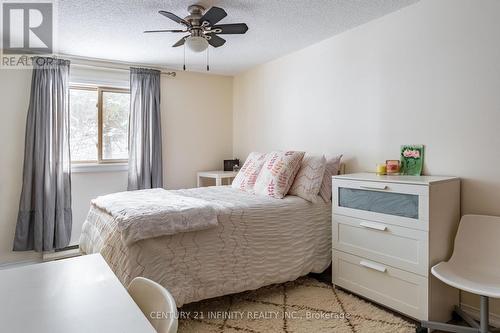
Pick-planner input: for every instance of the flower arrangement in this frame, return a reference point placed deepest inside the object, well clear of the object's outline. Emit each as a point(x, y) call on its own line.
point(412, 159)
point(411, 153)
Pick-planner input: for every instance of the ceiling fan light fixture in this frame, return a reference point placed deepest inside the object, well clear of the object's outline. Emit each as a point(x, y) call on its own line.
point(196, 43)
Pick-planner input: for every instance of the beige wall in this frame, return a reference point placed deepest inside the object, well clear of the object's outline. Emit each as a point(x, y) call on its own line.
point(14, 99)
point(197, 126)
point(85, 187)
point(197, 135)
point(429, 74)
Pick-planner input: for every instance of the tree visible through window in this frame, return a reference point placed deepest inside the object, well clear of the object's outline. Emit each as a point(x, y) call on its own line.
point(99, 124)
point(83, 125)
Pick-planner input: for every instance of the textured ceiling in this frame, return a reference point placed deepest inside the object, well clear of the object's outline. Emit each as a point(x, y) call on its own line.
point(112, 29)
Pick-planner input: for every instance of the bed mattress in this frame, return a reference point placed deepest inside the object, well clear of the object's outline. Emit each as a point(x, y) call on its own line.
point(258, 241)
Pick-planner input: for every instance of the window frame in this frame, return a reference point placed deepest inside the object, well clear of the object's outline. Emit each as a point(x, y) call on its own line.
point(100, 90)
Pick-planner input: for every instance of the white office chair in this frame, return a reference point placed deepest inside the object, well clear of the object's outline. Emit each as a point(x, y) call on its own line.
point(474, 267)
point(156, 303)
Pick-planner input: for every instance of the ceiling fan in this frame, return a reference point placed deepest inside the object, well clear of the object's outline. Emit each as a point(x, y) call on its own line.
point(202, 27)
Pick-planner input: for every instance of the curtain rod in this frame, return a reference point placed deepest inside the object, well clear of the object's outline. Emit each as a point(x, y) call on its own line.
point(78, 61)
point(172, 74)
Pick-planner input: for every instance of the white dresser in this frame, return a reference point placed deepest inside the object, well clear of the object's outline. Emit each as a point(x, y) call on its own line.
point(388, 231)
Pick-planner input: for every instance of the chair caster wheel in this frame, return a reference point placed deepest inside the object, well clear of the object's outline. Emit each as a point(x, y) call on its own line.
point(420, 329)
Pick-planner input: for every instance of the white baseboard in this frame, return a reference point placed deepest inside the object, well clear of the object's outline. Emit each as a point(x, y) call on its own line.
point(474, 312)
point(19, 263)
point(49, 256)
point(45, 256)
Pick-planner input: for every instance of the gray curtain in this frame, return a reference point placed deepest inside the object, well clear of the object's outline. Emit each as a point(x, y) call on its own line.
point(145, 160)
point(44, 218)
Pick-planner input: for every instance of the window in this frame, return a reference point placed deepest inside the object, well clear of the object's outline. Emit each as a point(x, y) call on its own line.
point(99, 124)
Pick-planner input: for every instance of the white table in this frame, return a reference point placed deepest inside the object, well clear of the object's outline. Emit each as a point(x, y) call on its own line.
point(74, 295)
point(219, 176)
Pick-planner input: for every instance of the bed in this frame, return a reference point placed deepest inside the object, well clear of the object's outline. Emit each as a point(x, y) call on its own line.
point(258, 241)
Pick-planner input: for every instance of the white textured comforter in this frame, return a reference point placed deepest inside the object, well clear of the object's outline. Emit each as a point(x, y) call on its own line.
point(258, 241)
point(156, 212)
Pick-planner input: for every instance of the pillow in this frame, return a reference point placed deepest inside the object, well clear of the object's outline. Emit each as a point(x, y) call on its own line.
point(332, 169)
point(246, 177)
point(278, 173)
point(308, 181)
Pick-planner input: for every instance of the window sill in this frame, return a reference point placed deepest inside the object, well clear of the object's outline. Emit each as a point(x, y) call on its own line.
point(94, 167)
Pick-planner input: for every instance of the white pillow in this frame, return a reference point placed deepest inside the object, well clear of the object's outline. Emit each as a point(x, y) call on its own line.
point(278, 173)
point(332, 169)
point(246, 177)
point(308, 181)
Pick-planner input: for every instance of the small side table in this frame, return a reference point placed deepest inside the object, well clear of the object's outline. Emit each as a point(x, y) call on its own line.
point(219, 176)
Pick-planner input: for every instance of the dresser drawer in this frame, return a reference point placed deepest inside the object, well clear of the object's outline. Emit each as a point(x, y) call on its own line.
point(400, 290)
point(392, 245)
point(399, 204)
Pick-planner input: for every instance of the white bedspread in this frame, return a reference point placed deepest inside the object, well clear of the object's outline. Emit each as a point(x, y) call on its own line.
point(156, 212)
point(258, 241)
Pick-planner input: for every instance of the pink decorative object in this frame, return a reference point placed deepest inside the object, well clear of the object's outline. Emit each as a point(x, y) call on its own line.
point(247, 176)
point(411, 153)
point(392, 166)
point(278, 173)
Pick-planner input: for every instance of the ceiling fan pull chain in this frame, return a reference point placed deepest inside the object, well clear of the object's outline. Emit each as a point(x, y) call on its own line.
point(184, 66)
point(208, 66)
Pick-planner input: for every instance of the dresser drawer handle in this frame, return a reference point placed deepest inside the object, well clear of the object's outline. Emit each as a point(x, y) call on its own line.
point(375, 226)
point(373, 265)
point(374, 187)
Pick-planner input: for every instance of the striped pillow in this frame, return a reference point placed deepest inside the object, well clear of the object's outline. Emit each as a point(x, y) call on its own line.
point(278, 173)
point(246, 177)
point(308, 181)
point(332, 169)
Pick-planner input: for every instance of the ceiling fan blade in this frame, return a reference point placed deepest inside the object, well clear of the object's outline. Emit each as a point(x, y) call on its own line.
point(174, 18)
point(215, 40)
point(151, 31)
point(180, 42)
point(233, 28)
point(213, 15)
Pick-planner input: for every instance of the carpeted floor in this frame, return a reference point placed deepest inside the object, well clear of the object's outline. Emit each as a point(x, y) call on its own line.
point(305, 305)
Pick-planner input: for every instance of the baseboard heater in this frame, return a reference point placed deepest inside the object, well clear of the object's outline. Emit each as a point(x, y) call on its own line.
point(67, 252)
